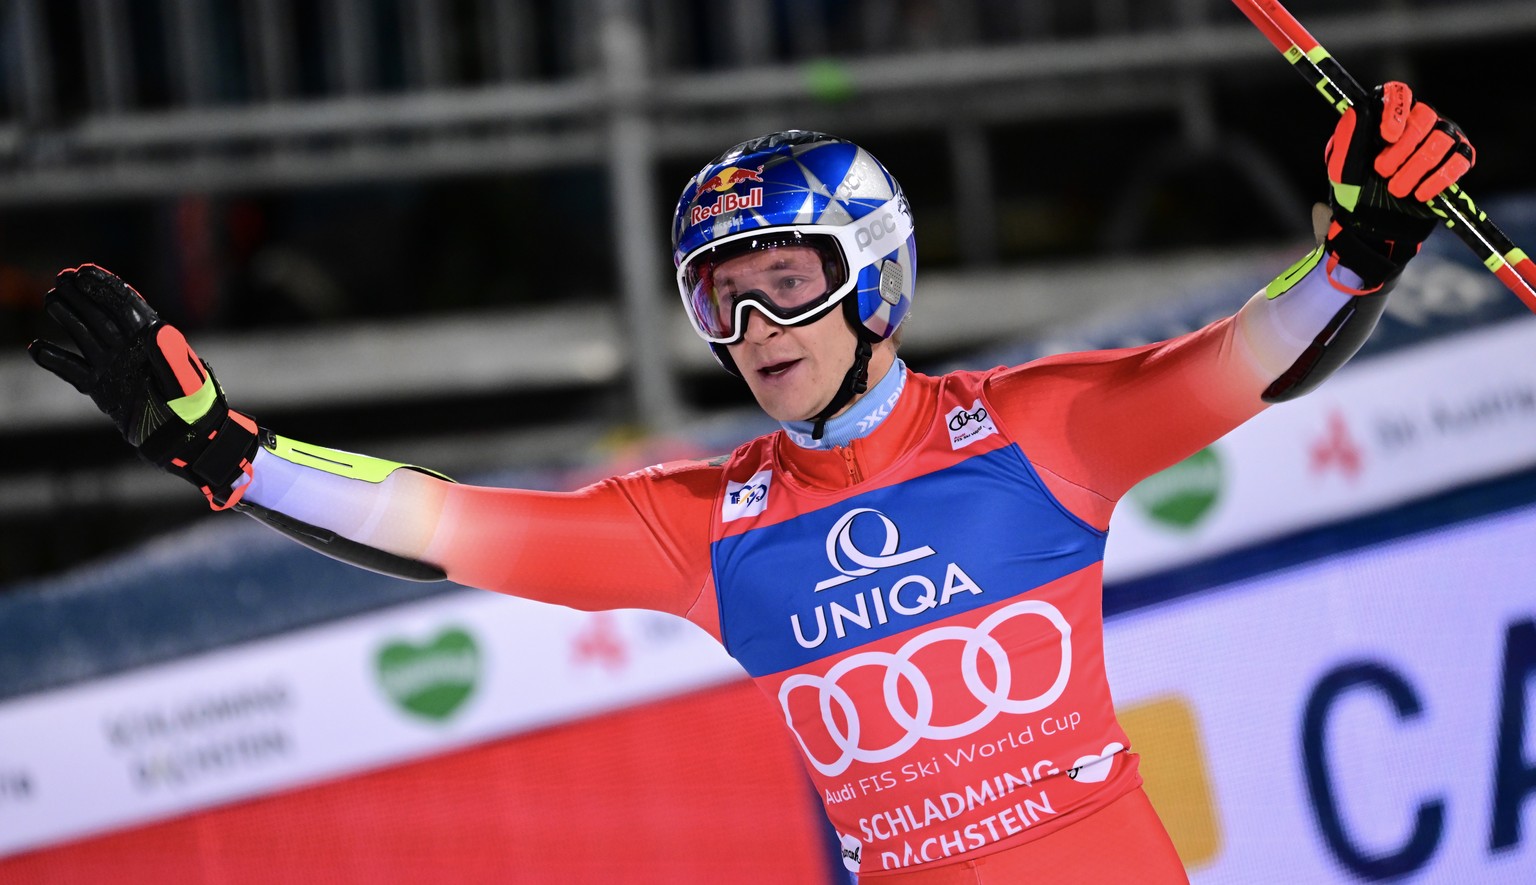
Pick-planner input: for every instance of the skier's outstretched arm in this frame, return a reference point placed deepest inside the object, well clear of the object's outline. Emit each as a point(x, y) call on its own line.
point(639, 540)
point(1099, 422)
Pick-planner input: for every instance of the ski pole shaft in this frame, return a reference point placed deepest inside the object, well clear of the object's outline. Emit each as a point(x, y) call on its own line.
point(1457, 210)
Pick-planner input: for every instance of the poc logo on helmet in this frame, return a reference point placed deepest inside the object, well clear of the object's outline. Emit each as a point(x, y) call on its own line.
point(870, 234)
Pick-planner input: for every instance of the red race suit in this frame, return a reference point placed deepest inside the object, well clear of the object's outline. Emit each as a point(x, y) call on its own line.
point(922, 605)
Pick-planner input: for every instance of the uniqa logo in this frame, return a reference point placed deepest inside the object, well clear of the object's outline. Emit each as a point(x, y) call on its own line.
point(910, 595)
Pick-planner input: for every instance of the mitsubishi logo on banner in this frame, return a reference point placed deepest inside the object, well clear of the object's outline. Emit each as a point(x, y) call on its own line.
point(1336, 450)
point(599, 642)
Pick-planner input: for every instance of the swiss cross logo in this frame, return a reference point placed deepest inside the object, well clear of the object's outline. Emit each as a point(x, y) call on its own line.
point(1336, 450)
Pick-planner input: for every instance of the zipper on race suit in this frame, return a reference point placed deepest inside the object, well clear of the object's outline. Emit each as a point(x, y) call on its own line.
point(851, 463)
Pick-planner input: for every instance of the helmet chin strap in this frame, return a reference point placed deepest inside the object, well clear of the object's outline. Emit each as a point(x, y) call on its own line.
point(854, 384)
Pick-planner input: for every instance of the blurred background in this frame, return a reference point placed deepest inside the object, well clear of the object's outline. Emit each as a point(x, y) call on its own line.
point(435, 231)
point(385, 175)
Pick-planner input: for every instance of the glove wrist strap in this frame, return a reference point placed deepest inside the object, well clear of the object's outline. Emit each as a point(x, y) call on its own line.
point(212, 454)
point(1369, 260)
point(232, 444)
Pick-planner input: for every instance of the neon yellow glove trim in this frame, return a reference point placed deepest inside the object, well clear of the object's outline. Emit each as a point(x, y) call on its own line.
point(1293, 274)
point(345, 464)
point(192, 407)
point(1347, 195)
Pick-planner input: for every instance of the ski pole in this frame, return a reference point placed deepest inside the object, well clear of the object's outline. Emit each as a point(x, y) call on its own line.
point(1318, 67)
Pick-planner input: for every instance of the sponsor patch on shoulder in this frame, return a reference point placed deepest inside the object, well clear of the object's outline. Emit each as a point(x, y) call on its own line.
point(746, 498)
point(968, 425)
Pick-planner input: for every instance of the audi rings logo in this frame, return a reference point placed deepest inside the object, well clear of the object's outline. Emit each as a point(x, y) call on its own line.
point(840, 541)
point(960, 417)
point(899, 668)
point(969, 425)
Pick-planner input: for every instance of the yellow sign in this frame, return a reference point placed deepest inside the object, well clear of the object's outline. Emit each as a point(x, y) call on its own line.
point(1165, 734)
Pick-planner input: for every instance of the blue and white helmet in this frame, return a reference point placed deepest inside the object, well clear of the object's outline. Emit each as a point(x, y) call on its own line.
point(796, 188)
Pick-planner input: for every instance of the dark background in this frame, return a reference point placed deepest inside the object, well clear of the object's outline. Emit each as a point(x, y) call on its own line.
point(323, 257)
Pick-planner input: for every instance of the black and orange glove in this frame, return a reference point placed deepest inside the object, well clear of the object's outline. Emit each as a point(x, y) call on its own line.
point(1388, 157)
point(142, 373)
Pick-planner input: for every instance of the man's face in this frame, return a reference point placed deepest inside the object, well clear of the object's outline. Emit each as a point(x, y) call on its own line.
point(792, 371)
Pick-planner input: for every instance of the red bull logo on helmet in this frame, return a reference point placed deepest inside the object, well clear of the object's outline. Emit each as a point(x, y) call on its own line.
point(729, 177)
point(727, 203)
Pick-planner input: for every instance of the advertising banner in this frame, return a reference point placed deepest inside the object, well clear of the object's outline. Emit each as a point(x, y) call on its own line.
point(367, 692)
point(1358, 718)
point(1402, 426)
point(1367, 717)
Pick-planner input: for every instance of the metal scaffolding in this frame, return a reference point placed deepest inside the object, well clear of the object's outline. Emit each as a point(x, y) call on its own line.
point(121, 98)
point(106, 100)
point(114, 97)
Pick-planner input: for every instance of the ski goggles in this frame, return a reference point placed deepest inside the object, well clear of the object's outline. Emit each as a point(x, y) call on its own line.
point(717, 299)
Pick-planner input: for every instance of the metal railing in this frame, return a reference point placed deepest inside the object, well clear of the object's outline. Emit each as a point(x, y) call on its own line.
point(114, 97)
point(123, 98)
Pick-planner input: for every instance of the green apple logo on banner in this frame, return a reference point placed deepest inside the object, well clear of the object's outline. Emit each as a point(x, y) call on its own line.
point(1181, 496)
point(431, 681)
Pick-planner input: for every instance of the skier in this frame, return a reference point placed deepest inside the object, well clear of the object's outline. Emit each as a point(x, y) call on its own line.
point(911, 568)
